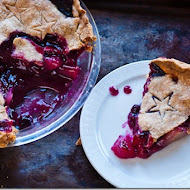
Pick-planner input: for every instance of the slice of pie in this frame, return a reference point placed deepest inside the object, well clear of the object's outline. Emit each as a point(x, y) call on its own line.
point(39, 47)
point(163, 116)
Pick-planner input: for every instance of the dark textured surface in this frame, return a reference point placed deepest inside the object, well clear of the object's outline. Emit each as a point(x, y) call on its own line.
point(55, 161)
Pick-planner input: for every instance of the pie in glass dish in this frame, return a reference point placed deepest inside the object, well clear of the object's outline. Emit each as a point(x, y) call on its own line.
point(164, 115)
point(39, 47)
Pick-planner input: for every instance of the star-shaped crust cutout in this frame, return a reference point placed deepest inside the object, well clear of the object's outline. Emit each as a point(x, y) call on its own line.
point(162, 106)
point(15, 11)
point(39, 17)
point(46, 27)
point(166, 104)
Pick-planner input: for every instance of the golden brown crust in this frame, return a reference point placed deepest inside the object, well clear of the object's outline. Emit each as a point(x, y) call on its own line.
point(7, 138)
point(166, 105)
point(78, 143)
point(84, 30)
point(39, 17)
point(174, 67)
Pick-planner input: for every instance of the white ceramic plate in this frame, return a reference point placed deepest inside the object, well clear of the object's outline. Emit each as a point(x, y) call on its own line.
point(101, 124)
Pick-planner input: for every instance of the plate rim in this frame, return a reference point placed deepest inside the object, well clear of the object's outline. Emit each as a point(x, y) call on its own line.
point(77, 105)
point(110, 172)
point(132, 64)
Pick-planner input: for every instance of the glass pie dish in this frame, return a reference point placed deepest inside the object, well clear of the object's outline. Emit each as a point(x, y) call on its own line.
point(89, 62)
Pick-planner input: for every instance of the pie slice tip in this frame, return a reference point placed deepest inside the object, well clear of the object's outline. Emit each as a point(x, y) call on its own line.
point(164, 115)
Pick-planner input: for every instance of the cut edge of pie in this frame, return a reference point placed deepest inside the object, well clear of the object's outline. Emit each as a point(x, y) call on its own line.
point(166, 105)
point(38, 18)
point(163, 116)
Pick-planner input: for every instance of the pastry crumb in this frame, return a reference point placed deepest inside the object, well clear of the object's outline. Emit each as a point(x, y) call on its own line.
point(78, 143)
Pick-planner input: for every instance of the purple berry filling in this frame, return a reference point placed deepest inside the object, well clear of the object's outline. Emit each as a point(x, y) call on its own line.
point(6, 125)
point(140, 143)
point(24, 84)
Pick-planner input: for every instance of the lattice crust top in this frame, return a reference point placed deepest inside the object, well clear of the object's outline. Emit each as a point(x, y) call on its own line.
point(39, 17)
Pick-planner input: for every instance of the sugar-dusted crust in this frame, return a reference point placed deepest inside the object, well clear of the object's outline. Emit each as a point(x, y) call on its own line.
point(166, 105)
point(39, 17)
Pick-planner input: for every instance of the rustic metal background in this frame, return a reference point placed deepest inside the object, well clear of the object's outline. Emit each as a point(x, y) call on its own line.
point(130, 31)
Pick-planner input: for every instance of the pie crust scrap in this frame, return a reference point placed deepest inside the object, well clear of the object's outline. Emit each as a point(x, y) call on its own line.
point(39, 46)
point(163, 116)
point(78, 142)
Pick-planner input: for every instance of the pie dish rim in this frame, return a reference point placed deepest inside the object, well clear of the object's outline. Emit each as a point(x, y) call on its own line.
point(94, 60)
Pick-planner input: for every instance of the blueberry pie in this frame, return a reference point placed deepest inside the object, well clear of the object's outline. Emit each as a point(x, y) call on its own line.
point(163, 116)
point(39, 47)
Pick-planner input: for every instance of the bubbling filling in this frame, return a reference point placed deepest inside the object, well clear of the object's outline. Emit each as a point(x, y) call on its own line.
point(140, 143)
